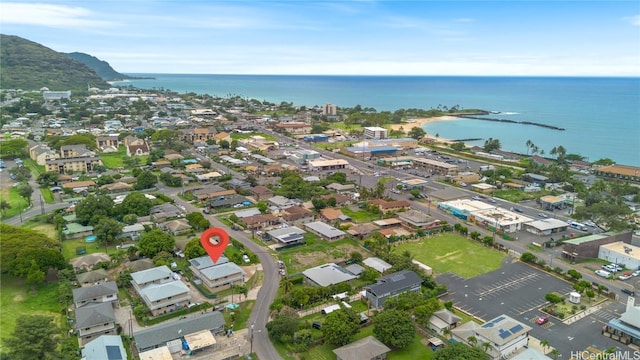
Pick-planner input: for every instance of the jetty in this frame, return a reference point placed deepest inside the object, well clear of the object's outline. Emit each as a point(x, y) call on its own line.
point(552, 127)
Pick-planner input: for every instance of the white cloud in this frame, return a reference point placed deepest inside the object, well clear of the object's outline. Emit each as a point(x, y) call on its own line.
point(633, 20)
point(48, 15)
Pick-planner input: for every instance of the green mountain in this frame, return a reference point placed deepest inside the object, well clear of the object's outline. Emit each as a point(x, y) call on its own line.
point(101, 67)
point(28, 65)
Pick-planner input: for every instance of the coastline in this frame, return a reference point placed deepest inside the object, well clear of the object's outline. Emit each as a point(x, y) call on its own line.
point(420, 122)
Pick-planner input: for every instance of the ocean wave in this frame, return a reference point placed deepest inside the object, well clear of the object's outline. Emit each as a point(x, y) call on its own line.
point(504, 113)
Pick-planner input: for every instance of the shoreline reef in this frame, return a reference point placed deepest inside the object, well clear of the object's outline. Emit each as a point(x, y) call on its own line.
point(420, 122)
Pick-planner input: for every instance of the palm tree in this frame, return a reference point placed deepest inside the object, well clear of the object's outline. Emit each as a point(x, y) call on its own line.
point(286, 284)
point(554, 354)
point(472, 340)
point(529, 145)
point(545, 344)
point(447, 333)
point(486, 346)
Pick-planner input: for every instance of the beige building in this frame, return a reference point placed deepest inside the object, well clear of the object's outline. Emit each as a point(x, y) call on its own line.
point(294, 128)
point(73, 165)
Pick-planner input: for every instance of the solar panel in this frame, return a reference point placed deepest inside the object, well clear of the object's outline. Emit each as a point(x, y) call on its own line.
point(113, 352)
point(503, 334)
point(516, 328)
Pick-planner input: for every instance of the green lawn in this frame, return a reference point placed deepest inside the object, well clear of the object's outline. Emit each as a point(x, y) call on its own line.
point(69, 248)
point(16, 300)
point(114, 159)
point(315, 252)
point(16, 202)
point(237, 136)
point(47, 195)
point(362, 215)
point(454, 253)
point(36, 169)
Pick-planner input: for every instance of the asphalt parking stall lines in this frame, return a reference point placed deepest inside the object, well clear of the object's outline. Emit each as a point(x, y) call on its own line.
point(603, 316)
point(528, 306)
point(508, 285)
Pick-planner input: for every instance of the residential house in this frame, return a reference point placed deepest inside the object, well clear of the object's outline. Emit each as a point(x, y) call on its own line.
point(94, 321)
point(78, 186)
point(288, 235)
point(340, 188)
point(326, 275)
point(219, 275)
point(331, 215)
point(106, 292)
point(297, 216)
point(258, 222)
point(87, 262)
point(368, 348)
point(414, 219)
point(392, 285)
point(261, 192)
point(443, 319)
point(282, 202)
point(199, 134)
point(165, 211)
point(341, 199)
point(391, 206)
point(91, 278)
point(132, 140)
point(132, 232)
point(159, 290)
point(76, 230)
point(363, 230)
point(167, 332)
point(212, 192)
point(325, 231)
point(176, 227)
point(105, 347)
point(505, 335)
point(116, 187)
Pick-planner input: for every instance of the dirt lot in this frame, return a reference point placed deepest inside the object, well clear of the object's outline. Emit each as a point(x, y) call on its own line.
point(302, 261)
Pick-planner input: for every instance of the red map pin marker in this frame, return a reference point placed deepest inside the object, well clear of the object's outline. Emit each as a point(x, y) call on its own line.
point(214, 248)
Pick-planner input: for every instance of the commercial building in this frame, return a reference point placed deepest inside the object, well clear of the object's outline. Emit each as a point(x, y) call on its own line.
point(435, 167)
point(626, 328)
point(621, 253)
point(335, 164)
point(588, 247)
point(375, 132)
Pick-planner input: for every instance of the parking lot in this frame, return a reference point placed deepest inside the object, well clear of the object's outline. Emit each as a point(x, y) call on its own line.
point(518, 291)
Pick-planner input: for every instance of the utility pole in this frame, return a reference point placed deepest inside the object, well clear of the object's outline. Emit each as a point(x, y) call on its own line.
point(251, 338)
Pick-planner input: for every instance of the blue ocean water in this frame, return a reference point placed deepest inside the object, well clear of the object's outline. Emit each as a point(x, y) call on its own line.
point(601, 116)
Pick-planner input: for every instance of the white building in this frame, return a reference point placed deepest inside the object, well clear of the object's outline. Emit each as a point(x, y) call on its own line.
point(506, 336)
point(375, 132)
point(329, 109)
point(621, 253)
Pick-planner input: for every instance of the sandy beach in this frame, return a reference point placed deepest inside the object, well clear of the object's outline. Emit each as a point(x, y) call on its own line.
point(406, 127)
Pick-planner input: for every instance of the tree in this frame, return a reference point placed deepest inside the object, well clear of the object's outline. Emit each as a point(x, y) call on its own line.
point(25, 190)
point(472, 340)
point(554, 354)
point(528, 257)
point(21, 173)
point(193, 249)
point(90, 209)
point(198, 221)
point(356, 256)
point(417, 133)
point(545, 345)
point(223, 144)
point(574, 274)
point(590, 294)
point(459, 351)
point(155, 241)
point(13, 147)
point(145, 180)
point(318, 204)
point(286, 285)
point(415, 193)
point(262, 206)
point(394, 328)
point(553, 298)
point(34, 337)
point(4, 206)
point(21, 245)
point(491, 144)
point(107, 229)
point(282, 328)
point(135, 203)
point(340, 326)
point(35, 276)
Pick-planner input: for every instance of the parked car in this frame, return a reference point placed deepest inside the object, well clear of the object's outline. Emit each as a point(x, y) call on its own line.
point(603, 273)
point(628, 292)
point(245, 258)
point(542, 215)
point(624, 277)
point(542, 320)
point(635, 273)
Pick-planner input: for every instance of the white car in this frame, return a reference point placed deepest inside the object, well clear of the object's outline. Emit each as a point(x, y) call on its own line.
point(604, 274)
point(624, 277)
point(636, 273)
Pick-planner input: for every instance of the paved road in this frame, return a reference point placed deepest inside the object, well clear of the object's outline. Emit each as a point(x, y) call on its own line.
point(260, 314)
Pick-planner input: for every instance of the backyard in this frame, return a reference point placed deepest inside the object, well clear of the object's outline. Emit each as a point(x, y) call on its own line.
point(317, 252)
point(454, 253)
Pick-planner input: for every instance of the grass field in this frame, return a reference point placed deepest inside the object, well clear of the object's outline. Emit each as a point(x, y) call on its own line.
point(18, 203)
point(237, 136)
point(69, 248)
point(114, 160)
point(317, 252)
point(47, 195)
point(16, 300)
point(453, 253)
point(361, 215)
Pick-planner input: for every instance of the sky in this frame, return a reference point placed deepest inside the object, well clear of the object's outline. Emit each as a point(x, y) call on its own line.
point(358, 37)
